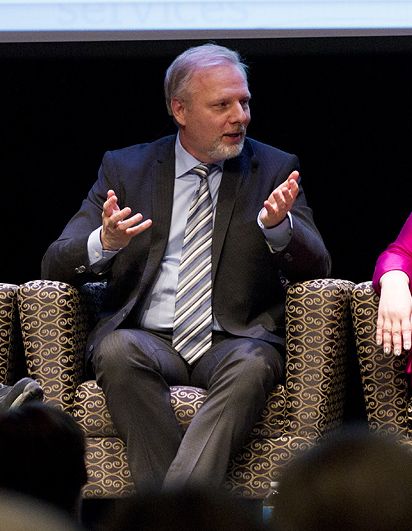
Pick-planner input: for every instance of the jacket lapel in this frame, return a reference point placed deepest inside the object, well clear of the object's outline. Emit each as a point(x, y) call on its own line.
point(163, 178)
point(234, 172)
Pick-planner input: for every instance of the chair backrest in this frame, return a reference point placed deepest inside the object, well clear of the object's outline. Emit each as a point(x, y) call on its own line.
point(11, 357)
point(55, 326)
point(318, 342)
point(382, 375)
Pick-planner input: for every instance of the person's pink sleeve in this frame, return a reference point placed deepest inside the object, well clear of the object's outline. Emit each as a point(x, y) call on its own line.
point(397, 256)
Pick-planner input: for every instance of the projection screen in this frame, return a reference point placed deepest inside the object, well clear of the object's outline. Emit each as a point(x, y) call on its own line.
point(53, 20)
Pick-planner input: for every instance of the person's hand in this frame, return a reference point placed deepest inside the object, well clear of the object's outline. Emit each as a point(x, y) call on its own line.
point(280, 201)
point(117, 228)
point(393, 329)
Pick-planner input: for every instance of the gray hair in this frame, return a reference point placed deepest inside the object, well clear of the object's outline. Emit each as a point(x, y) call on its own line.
point(179, 73)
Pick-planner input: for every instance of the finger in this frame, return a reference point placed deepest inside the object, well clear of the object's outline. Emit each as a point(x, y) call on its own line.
point(379, 326)
point(406, 334)
point(397, 340)
point(133, 231)
point(280, 196)
point(110, 201)
point(290, 192)
point(290, 196)
point(121, 215)
point(110, 206)
point(110, 193)
point(387, 338)
point(274, 208)
point(294, 176)
point(129, 222)
point(271, 208)
point(379, 335)
point(293, 188)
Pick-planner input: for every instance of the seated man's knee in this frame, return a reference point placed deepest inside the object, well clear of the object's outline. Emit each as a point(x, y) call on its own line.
point(259, 366)
point(261, 359)
point(114, 349)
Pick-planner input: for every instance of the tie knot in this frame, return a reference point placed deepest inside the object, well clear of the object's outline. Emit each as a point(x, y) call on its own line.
point(202, 170)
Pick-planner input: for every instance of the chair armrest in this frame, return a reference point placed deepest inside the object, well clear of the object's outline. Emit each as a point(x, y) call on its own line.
point(318, 337)
point(54, 326)
point(383, 378)
point(9, 333)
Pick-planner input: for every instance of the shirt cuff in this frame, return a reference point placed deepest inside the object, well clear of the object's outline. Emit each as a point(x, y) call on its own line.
point(277, 237)
point(98, 257)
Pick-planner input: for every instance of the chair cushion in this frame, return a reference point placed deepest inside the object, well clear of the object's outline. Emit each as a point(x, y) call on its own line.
point(249, 474)
point(261, 461)
point(107, 470)
point(106, 458)
point(90, 410)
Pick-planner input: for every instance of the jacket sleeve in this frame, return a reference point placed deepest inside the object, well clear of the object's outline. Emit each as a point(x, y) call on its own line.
point(397, 256)
point(67, 258)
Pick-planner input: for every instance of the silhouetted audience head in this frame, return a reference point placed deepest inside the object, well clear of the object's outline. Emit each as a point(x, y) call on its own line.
point(354, 481)
point(184, 510)
point(42, 455)
point(23, 513)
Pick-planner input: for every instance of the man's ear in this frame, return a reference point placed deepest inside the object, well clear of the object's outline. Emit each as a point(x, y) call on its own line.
point(178, 110)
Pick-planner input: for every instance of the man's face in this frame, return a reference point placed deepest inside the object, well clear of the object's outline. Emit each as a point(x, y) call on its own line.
point(215, 113)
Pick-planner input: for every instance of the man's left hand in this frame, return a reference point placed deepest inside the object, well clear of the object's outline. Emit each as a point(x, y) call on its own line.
point(280, 201)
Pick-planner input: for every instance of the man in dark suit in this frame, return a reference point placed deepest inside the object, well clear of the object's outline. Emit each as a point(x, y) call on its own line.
point(132, 229)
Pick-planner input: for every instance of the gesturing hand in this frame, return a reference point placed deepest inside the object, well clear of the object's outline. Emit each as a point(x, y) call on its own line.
point(280, 201)
point(117, 228)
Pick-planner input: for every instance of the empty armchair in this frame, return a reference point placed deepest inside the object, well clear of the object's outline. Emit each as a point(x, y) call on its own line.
point(55, 320)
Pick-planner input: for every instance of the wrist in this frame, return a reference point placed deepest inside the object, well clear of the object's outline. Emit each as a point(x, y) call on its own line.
point(395, 276)
point(266, 224)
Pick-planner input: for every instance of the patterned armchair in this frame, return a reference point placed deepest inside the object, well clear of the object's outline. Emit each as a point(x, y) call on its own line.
point(383, 378)
point(10, 339)
point(55, 319)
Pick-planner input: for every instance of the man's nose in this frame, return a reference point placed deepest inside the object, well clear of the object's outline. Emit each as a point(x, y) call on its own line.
point(239, 113)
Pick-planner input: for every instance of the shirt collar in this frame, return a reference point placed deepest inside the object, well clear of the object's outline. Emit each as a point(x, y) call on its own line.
point(185, 161)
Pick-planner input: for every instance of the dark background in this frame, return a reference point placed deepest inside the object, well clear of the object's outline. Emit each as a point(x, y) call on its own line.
point(343, 105)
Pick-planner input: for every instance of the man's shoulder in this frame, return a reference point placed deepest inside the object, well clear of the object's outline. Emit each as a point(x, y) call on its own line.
point(149, 149)
point(259, 148)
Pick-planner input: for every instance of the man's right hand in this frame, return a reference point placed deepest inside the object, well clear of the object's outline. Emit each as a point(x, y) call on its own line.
point(117, 227)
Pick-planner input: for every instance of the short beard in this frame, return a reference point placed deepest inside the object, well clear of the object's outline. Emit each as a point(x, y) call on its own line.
point(221, 152)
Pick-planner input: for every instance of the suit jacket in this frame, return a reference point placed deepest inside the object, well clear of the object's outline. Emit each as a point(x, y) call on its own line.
point(248, 294)
point(398, 255)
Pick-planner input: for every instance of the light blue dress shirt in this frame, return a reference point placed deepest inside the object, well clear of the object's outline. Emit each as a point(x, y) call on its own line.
point(158, 310)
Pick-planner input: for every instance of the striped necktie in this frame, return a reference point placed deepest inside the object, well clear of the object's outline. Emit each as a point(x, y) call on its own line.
point(192, 327)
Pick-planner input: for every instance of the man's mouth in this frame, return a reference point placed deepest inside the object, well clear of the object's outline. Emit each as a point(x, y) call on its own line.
point(235, 136)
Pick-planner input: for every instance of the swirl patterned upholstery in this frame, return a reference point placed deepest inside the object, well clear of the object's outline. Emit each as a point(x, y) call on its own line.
point(9, 333)
point(382, 375)
point(55, 319)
